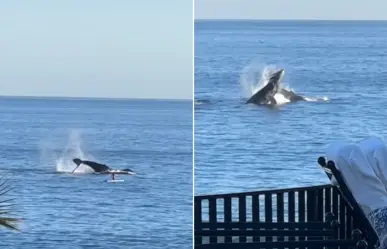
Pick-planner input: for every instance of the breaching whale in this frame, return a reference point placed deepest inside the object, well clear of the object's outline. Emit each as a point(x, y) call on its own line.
point(265, 96)
point(102, 168)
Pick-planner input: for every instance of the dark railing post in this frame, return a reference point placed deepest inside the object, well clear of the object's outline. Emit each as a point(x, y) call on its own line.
point(320, 205)
point(328, 199)
point(301, 209)
point(242, 214)
point(291, 206)
point(348, 221)
point(227, 215)
point(311, 205)
point(212, 216)
point(197, 218)
point(291, 210)
point(342, 209)
point(255, 212)
point(335, 202)
point(268, 210)
point(280, 211)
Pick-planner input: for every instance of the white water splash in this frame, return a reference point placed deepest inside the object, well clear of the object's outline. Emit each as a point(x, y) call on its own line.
point(63, 160)
point(254, 77)
point(280, 99)
point(316, 99)
point(73, 150)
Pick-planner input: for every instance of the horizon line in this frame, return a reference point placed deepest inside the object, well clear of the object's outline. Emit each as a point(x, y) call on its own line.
point(92, 98)
point(289, 19)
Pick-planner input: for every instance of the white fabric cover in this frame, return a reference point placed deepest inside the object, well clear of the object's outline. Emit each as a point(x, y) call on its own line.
point(364, 169)
point(375, 151)
point(366, 187)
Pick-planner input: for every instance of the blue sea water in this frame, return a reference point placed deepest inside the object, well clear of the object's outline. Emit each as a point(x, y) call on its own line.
point(241, 147)
point(39, 137)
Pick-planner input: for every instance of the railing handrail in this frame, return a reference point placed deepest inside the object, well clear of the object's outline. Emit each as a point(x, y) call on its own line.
point(262, 192)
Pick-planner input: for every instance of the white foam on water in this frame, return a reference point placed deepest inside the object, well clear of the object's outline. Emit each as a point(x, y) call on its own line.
point(316, 99)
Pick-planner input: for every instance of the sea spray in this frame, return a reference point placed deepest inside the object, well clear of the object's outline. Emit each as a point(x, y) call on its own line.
point(73, 150)
point(254, 77)
point(62, 157)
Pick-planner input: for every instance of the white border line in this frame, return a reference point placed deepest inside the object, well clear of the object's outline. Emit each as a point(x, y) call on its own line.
point(193, 123)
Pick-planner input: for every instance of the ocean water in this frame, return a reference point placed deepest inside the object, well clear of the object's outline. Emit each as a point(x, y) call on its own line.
point(39, 137)
point(241, 147)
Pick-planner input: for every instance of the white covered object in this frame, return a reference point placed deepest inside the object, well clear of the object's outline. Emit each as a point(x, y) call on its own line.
point(363, 167)
point(375, 151)
point(366, 187)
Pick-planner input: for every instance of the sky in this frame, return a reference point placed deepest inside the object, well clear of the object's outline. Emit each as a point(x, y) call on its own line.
point(95, 48)
point(291, 9)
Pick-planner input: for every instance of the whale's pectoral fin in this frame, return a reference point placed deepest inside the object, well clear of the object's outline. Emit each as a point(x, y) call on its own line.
point(78, 162)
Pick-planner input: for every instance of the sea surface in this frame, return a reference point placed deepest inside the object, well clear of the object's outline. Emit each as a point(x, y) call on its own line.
point(241, 147)
point(40, 136)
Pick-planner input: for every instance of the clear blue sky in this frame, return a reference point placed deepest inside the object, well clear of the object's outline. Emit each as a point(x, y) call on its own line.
point(292, 9)
point(93, 48)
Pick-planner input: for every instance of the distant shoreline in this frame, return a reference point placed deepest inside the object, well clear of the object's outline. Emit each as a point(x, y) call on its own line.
point(90, 98)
